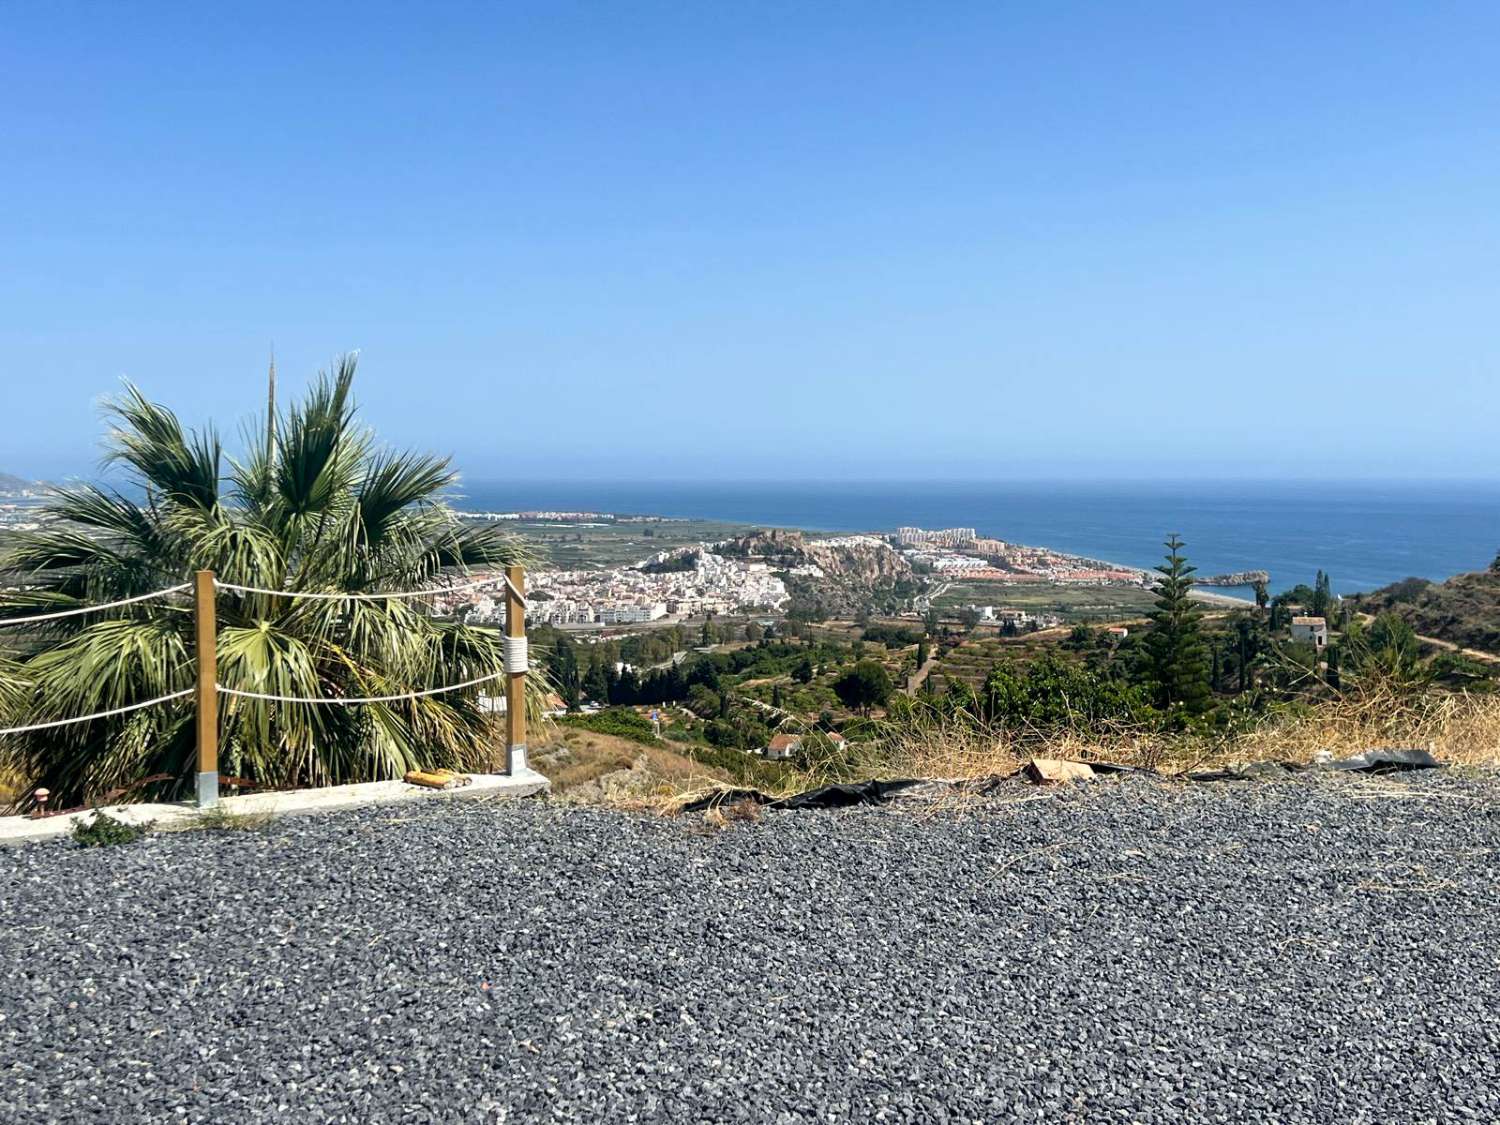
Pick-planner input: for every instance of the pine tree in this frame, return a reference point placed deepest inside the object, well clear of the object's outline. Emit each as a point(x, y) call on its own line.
point(1178, 656)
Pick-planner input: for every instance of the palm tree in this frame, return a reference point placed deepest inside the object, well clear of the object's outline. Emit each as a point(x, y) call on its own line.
point(322, 510)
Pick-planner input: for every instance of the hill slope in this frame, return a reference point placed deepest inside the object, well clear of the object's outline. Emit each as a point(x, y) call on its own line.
point(1464, 610)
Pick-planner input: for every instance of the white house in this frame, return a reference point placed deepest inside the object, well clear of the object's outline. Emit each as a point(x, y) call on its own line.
point(1314, 629)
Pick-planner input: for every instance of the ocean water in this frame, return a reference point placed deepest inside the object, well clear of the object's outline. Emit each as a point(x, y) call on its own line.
point(1364, 534)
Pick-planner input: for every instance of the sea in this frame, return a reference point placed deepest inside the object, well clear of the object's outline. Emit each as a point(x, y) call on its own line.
point(1364, 534)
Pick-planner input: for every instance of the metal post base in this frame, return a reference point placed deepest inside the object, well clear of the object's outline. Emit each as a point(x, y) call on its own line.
point(515, 759)
point(208, 790)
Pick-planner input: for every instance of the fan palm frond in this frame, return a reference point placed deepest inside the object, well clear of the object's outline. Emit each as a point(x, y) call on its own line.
point(321, 512)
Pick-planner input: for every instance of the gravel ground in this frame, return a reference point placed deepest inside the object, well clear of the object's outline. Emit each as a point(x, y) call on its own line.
point(1313, 950)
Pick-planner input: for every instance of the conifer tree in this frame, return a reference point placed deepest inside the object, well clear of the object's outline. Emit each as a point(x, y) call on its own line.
point(1322, 599)
point(1178, 656)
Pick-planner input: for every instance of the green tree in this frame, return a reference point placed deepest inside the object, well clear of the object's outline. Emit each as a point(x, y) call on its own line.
point(596, 680)
point(921, 655)
point(1178, 657)
point(322, 510)
point(1245, 649)
point(1262, 596)
point(865, 685)
point(1322, 596)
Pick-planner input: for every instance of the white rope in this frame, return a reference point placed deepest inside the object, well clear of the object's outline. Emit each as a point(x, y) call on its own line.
point(99, 715)
point(93, 608)
point(392, 596)
point(516, 657)
point(339, 701)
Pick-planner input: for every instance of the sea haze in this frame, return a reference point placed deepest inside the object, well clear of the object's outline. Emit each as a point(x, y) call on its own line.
point(1364, 534)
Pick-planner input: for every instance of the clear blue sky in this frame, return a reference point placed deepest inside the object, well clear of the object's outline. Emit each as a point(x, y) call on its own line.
point(769, 240)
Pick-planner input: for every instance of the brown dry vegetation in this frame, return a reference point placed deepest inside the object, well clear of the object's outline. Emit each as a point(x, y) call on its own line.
point(582, 764)
point(1459, 730)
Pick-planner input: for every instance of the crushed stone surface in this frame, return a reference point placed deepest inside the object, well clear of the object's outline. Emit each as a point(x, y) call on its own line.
point(1321, 949)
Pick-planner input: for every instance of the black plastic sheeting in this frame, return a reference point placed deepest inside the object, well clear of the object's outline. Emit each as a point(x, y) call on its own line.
point(1372, 761)
point(848, 794)
point(839, 796)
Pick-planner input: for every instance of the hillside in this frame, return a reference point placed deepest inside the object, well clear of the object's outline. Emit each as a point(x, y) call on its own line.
point(1464, 610)
point(833, 577)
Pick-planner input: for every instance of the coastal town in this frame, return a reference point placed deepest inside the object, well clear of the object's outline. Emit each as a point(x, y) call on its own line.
point(758, 574)
point(669, 587)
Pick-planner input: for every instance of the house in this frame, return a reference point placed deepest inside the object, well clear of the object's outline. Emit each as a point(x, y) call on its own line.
point(1117, 632)
point(783, 746)
point(1313, 629)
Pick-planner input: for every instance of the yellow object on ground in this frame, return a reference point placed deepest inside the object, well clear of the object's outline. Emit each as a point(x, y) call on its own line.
point(437, 779)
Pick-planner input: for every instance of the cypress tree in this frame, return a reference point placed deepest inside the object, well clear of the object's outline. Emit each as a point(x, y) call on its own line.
point(1322, 599)
point(1178, 656)
point(1243, 626)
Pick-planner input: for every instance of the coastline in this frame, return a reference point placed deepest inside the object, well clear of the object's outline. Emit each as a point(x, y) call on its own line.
point(1364, 534)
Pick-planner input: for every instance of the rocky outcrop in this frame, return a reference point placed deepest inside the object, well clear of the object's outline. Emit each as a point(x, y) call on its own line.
point(1239, 578)
point(860, 559)
point(832, 576)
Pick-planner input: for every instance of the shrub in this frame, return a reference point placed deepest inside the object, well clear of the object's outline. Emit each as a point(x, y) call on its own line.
point(618, 721)
point(105, 831)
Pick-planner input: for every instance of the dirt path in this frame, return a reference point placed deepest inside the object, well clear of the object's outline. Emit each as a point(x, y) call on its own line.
point(1438, 642)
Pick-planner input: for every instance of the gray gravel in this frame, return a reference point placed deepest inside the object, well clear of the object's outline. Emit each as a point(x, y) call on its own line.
point(1315, 950)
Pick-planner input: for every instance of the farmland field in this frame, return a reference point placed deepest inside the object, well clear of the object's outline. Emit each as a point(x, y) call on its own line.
point(1071, 603)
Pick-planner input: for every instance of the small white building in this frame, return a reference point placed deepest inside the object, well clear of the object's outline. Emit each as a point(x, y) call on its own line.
point(783, 746)
point(1310, 629)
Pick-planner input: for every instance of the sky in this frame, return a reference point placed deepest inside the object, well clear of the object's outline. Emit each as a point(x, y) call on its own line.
point(762, 240)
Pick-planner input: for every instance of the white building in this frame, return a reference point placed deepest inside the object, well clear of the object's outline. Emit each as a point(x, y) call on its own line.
point(1310, 629)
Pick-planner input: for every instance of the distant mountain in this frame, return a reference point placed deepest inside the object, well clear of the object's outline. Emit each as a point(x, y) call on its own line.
point(9, 483)
point(1464, 610)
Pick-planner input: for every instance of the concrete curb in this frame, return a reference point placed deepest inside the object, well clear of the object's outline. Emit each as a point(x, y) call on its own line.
point(294, 802)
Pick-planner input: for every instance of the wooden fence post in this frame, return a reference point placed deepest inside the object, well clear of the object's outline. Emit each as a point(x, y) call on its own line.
point(207, 694)
point(515, 667)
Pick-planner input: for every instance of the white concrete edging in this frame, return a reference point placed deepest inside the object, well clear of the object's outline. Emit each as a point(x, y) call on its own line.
point(292, 802)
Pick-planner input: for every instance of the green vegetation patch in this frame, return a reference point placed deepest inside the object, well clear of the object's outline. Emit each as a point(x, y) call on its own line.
point(104, 831)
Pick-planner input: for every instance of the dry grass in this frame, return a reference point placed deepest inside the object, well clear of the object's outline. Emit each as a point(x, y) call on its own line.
point(10, 791)
point(1462, 730)
point(1459, 730)
point(585, 766)
point(742, 811)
